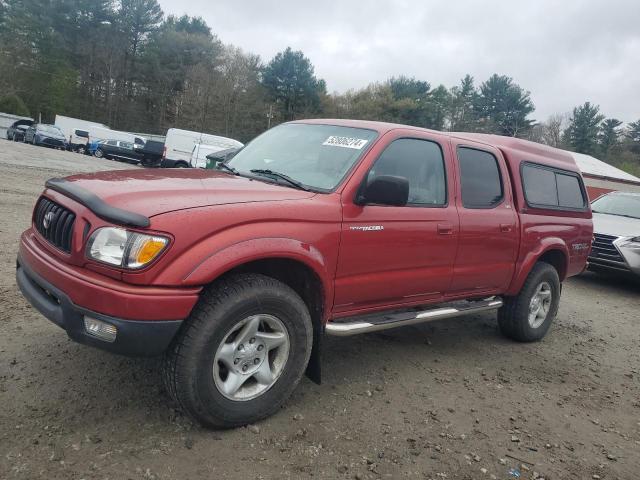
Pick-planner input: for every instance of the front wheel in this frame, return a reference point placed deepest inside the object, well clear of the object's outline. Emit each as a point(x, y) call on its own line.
point(98, 153)
point(241, 353)
point(528, 316)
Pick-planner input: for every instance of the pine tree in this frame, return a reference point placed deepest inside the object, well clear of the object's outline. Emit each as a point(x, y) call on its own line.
point(584, 129)
point(290, 81)
point(504, 107)
point(609, 135)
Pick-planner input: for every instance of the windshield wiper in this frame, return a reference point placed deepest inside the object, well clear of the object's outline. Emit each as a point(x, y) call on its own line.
point(284, 177)
point(227, 168)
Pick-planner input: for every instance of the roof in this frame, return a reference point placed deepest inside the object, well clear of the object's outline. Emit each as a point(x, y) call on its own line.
point(588, 165)
point(593, 167)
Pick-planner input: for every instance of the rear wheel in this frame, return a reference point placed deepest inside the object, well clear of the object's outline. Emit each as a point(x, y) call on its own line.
point(528, 316)
point(99, 153)
point(241, 353)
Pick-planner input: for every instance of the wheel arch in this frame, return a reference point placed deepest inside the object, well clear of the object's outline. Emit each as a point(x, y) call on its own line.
point(299, 266)
point(551, 251)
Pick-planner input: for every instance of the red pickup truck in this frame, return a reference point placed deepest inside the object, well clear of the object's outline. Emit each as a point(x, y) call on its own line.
point(318, 227)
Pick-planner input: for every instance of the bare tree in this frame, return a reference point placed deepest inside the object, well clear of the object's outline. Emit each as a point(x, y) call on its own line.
point(552, 130)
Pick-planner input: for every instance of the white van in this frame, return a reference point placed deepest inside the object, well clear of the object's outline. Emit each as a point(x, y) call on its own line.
point(201, 152)
point(76, 131)
point(179, 146)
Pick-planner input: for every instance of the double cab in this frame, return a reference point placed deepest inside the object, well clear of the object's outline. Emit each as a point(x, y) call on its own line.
point(317, 227)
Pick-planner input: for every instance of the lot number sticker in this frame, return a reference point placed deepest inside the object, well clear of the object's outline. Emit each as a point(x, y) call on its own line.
point(345, 142)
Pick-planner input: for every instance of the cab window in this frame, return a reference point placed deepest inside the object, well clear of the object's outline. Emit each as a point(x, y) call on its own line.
point(480, 179)
point(419, 161)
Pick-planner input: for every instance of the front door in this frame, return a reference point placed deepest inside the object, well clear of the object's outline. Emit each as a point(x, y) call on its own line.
point(392, 255)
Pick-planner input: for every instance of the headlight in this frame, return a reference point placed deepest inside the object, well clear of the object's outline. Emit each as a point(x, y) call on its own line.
point(631, 243)
point(123, 248)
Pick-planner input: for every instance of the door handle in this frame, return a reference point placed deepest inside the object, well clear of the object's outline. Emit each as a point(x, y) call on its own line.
point(445, 229)
point(506, 227)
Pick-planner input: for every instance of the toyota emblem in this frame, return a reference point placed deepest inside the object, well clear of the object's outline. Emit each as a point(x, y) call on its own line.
point(46, 221)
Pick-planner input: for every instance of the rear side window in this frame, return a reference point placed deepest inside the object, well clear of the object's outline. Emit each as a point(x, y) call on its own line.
point(480, 178)
point(419, 161)
point(547, 187)
point(540, 186)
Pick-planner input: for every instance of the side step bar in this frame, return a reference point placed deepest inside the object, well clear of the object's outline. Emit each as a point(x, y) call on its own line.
point(376, 323)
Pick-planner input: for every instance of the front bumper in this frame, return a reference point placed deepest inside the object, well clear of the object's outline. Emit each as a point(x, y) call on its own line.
point(50, 142)
point(146, 317)
point(136, 338)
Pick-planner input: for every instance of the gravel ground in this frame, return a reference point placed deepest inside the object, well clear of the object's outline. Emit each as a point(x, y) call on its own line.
point(451, 399)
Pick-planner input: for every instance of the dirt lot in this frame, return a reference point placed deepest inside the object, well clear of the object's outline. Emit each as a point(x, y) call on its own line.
point(451, 399)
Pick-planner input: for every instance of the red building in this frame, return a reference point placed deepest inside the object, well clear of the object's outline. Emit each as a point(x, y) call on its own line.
point(600, 177)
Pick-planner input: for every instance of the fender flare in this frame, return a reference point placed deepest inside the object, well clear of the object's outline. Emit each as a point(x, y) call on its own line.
point(524, 267)
point(231, 256)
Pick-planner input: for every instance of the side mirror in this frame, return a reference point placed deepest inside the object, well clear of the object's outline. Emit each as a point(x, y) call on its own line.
point(385, 190)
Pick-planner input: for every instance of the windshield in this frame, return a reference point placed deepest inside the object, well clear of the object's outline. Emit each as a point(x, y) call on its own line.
point(52, 129)
point(624, 205)
point(317, 156)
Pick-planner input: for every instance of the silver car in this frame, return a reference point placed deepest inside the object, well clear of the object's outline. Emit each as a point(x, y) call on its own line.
point(616, 238)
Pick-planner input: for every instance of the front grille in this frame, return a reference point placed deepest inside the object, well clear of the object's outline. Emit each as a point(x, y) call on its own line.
point(53, 142)
point(55, 223)
point(604, 252)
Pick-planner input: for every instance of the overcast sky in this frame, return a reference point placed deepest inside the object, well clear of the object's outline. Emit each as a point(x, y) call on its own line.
point(564, 52)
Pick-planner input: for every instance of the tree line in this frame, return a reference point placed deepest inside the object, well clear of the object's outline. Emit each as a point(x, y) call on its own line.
point(126, 64)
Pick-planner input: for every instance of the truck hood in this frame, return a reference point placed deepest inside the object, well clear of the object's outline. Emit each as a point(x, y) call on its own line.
point(152, 192)
point(616, 225)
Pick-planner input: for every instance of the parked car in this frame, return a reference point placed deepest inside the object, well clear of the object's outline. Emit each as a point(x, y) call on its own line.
point(46, 136)
point(179, 146)
point(19, 133)
point(118, 149)
point(16, 131)
point(316, 227)
point(616, 238)
point(152, 152)
point(79, 142)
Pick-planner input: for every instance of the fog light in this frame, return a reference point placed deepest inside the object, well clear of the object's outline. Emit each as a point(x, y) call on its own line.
point(99, 329)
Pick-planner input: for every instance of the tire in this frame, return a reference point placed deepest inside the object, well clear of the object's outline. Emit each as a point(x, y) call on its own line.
point(98, 153)
point(516, 319)
point(193, 371)
point(81, 150)
point(181, 165)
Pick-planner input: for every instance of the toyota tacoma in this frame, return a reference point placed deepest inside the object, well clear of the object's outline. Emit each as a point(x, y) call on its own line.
point(317, 227)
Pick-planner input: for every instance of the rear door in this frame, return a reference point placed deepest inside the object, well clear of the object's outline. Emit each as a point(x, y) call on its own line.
point(489, 234)
point(392, 255)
